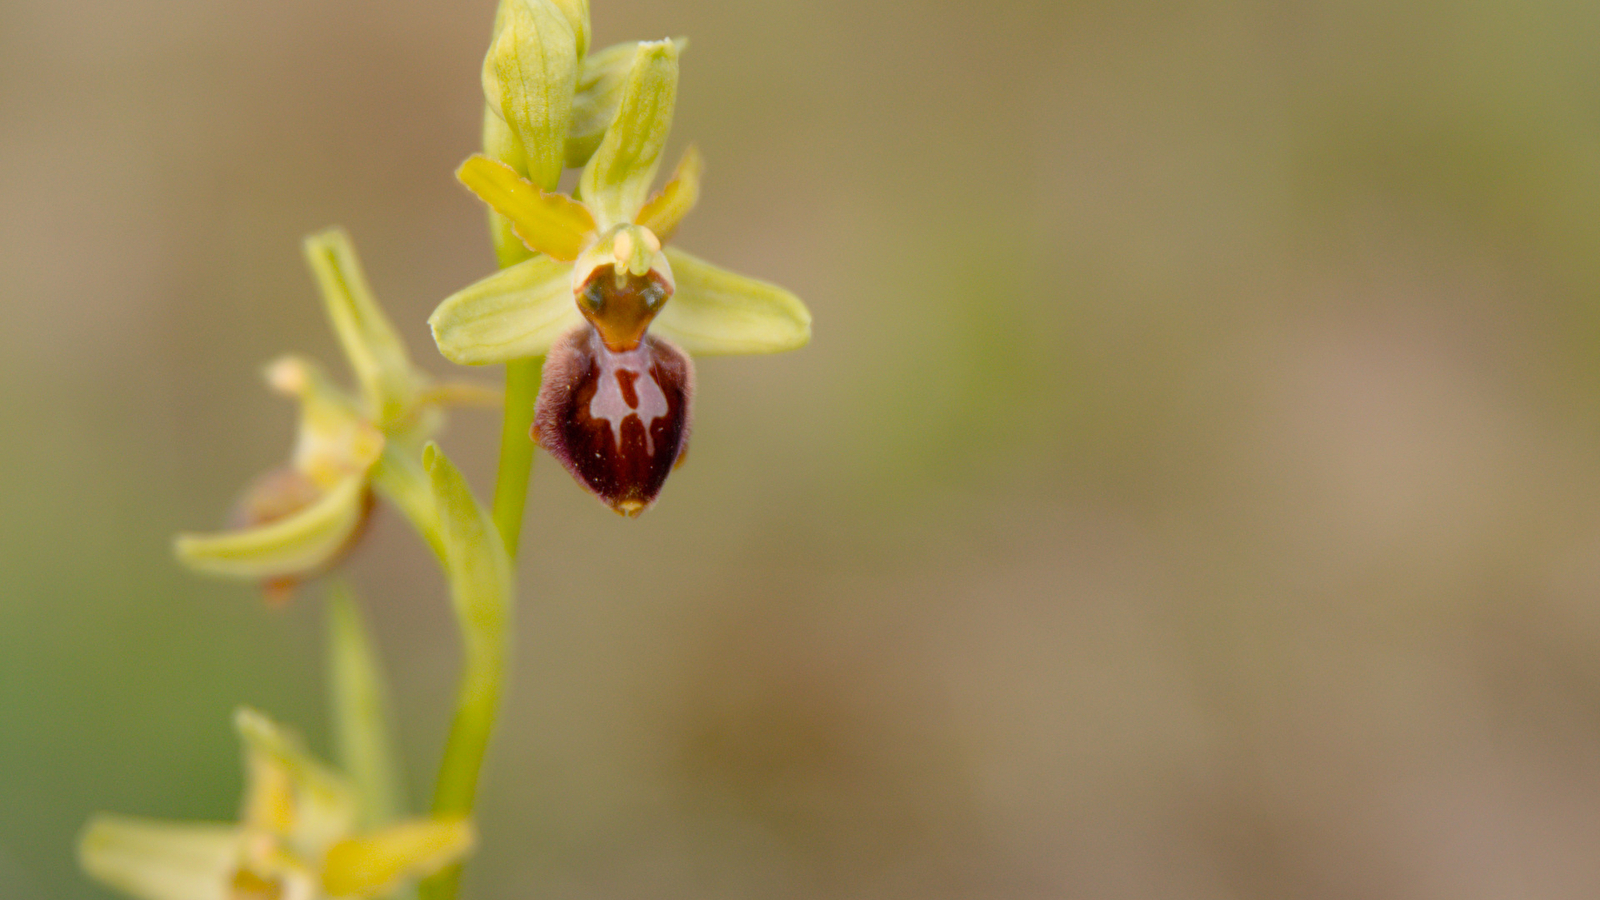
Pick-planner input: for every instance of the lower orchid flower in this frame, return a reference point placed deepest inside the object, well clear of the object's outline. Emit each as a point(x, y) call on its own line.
point(299, 519)
point(616, 400)
point(296, 838)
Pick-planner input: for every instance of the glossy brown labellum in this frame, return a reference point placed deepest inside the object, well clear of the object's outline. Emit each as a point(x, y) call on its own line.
point(617, 421)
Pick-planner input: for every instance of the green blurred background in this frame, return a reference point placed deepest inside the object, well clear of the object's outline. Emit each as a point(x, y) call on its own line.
point(1191, 489)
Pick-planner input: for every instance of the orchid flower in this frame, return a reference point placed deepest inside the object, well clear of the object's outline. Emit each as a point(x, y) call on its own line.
point(615, 403)
point(296, 838)
point(297, 520)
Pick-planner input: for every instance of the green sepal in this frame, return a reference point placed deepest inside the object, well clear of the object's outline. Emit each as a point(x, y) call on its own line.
point(294, 545)
point(601, 78)
point(290, 794)
point(551, 223)
point(513, 314)
point(617, 179)
point(374, 863)
point(155, 860)
point(714, 311)
point(529, 76)
point(388, 381)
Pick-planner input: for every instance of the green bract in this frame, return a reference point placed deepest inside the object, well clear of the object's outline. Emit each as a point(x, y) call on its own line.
point(299, 518)
point(296, 837)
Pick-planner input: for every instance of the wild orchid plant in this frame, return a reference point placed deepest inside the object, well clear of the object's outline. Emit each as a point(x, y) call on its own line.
point(594, 320)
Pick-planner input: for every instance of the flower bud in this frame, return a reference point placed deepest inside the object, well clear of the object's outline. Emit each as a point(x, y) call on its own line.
point(618, 421)
point(529, 76)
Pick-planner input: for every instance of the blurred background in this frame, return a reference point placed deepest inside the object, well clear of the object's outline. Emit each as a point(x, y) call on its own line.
point(1192, 489)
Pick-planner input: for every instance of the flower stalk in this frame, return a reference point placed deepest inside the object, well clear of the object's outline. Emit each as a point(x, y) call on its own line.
point(597, 372)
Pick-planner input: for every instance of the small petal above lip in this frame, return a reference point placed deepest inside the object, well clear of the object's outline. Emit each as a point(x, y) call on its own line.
point(513, 314)
point(664, 211)
point(714, 311)
point(553, 224)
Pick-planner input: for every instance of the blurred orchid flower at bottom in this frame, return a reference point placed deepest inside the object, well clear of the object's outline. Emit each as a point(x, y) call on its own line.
point(296, 838)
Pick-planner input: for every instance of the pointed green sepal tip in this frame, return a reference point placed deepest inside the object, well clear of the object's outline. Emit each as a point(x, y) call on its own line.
point(155, 860)
point(529, 76)
point(617, 179)
point(515, 313)
point(601, 79)
point(715, 311)
point(261, 735)
point(373, 864)
point(296, 545)
point(388, 381)
point(289, 793)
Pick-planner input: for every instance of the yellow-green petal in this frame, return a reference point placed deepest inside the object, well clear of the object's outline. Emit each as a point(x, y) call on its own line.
point(370, 341)
point(501, 145)
point(601, 78)
point(291, 795)
point(513, 314)
point(529, 76)
point(294, 545)
point(155, 860)
point(373, 864)
point(553, 224)
point(663, 213)
point(714, 311)
point(617, 180)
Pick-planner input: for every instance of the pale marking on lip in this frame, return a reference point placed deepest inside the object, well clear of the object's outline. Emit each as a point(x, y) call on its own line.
point(609, 404)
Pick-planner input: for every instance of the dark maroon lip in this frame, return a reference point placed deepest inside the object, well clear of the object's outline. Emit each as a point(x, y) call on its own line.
point(617, 420)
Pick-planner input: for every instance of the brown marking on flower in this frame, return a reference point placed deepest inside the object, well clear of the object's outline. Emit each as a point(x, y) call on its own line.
point(621, 307)
point(618, 421)
point(278, 494)
point(247, 885)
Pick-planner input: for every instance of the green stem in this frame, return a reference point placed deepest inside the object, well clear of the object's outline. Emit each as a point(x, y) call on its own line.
point(485, 648)
point(481, 590)
point(516, 450)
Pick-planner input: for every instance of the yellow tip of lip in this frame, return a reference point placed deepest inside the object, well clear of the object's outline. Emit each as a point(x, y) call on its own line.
point(630, 508)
